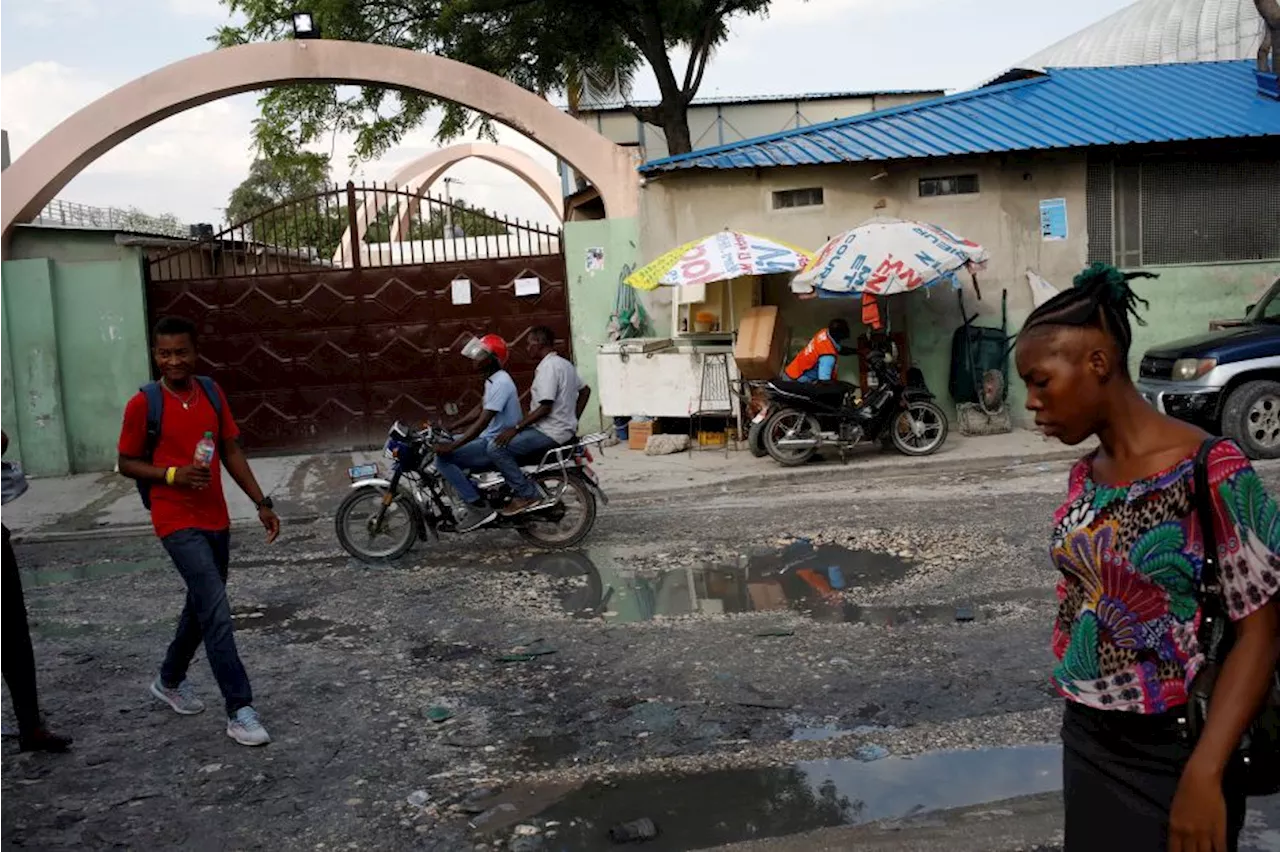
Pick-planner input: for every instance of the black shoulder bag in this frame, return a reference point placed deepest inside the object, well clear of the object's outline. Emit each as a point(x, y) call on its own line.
point(1256, 763)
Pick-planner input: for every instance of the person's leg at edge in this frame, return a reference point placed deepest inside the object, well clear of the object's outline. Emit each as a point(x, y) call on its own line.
point(526, 443)
point(19, 660)
point(202, 559)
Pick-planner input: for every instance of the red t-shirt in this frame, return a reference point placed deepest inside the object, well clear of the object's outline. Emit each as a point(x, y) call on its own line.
point(174, 508)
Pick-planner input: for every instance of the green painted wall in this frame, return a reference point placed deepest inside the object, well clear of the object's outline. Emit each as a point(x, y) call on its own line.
point(32, 347)
point(75, 348)
point(102, 349)
point(591, 293)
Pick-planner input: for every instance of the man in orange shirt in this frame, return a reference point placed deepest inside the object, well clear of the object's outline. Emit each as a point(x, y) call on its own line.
point(817, 360)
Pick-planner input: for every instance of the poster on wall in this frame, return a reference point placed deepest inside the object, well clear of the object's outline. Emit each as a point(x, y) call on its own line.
point(1053, 219)
point(461, 290)
point(595, 259)
point(530, 286)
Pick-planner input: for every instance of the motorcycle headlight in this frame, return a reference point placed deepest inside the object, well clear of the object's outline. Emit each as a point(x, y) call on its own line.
point(1186, 369)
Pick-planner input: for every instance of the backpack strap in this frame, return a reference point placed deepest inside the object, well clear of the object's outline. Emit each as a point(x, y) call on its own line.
point(155, 412)
point(1213, 611)
point(210, 388)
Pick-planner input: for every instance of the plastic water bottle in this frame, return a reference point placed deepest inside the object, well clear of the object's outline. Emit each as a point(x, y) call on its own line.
point(204, 451)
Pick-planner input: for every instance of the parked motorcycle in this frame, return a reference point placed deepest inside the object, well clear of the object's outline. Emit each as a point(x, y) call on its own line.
point(383, 517)
point(803, 417)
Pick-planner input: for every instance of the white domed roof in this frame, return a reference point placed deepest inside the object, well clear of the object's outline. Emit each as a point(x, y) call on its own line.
point(1158, 31)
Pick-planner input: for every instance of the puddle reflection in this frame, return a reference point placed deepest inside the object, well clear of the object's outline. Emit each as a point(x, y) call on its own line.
point(714, 808)
point(801, 578)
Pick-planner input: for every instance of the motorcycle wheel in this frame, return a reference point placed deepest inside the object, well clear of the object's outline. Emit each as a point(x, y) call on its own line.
point(577, 509)
point(755, 439)
point(354, 525)
point(920, 430)
point(788, 422)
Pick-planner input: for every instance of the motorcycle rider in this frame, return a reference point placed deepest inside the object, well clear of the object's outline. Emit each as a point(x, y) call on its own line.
point(558, 396)
point(499, 412)
point(817, 360)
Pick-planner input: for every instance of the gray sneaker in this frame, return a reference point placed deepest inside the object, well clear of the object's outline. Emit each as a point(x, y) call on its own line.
point(182, 698)
point(246, 728)
point(473, 517)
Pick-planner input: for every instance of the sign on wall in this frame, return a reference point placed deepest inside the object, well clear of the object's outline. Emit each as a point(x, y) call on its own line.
point(1053, 219)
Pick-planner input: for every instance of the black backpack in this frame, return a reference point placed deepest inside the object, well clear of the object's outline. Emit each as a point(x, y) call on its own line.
point(155, 410)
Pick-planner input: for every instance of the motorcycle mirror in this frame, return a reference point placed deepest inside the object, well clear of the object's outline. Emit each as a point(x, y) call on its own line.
point(888, 357)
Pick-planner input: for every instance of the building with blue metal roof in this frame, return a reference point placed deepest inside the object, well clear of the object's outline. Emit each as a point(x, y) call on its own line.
point(1168, 167)
point(1024, 111)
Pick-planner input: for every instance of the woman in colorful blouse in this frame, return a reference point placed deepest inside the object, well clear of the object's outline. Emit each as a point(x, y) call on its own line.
point(1128, 546)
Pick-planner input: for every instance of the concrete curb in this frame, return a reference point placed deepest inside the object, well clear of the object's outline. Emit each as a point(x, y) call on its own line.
point(141, 530)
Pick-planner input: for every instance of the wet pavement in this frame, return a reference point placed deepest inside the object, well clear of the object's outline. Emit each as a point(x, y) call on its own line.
point(823, 671)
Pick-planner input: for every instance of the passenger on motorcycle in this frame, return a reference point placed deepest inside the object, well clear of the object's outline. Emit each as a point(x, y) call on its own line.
point(500, 411)
point(558, 396)
point(817, 360)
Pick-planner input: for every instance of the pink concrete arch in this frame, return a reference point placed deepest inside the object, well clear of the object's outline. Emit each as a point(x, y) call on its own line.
point(42, 171)
point(418, 176)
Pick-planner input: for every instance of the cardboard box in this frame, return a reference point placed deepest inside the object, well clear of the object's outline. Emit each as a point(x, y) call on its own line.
point(759, 349)
point(638, 435)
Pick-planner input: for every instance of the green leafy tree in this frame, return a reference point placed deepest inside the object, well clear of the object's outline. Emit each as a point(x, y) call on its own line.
point(546, 46)
point(466, 221)
point(288, 200)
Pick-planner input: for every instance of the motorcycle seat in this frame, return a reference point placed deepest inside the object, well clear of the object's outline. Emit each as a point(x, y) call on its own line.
point(827, 393)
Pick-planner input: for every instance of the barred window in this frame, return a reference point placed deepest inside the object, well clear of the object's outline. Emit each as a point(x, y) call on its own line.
point(1165, 211)
point(950, 185)
point(807, 197)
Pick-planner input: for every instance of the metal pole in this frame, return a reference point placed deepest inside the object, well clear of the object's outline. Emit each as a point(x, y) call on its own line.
point(351, 225)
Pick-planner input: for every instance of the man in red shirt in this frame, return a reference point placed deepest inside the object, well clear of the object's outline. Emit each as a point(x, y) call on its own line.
point(190, 517)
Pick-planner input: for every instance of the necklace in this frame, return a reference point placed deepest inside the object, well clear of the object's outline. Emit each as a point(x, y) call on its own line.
point(186, 403)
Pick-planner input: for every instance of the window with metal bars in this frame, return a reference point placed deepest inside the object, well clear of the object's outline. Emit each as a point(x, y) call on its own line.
point(932, 187)
point(1167, 211)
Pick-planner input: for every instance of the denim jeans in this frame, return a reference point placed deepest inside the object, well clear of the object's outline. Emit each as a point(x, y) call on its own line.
point(202, 558)
point(473, 455)
point(526, 444)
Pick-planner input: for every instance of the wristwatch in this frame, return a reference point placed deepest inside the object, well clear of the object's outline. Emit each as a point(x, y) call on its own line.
point(266, 503)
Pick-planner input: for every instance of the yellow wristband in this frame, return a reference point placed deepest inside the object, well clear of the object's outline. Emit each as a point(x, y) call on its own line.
point(169, 475)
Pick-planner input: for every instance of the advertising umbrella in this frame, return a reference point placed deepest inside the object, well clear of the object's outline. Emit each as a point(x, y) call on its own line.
point(720, 257)
point(887, 256)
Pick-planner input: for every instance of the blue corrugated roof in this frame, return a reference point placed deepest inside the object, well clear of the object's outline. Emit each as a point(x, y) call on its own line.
point(1061, 108)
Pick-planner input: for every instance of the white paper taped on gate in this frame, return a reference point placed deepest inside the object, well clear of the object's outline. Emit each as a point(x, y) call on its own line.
point(528, 286)
point(461, 291)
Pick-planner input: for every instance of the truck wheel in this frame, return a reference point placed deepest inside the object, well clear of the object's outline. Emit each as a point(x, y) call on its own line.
point(1251, 418)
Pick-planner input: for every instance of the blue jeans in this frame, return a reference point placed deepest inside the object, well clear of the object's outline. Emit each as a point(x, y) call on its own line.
point(526, 444)
point(473, 455)
point(202, 558)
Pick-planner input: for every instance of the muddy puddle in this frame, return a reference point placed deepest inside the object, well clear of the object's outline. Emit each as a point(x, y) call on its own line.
point(284, 618)
point(802, 578)
point(88, 571)
point(714, 808)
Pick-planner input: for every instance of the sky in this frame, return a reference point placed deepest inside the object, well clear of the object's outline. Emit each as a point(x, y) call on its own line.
point(57, 56)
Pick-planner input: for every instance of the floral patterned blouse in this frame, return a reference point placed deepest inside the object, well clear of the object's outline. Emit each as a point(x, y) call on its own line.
point(1130, 556)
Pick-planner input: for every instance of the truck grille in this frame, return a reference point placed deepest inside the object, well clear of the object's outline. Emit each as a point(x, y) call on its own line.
point(1156, 368)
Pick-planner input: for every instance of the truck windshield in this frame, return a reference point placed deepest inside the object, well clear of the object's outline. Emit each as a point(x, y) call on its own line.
point(1268, 308)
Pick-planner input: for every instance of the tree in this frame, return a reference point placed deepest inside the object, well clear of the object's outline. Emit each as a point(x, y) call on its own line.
point(467, 221)
point(1270, 49)
point(543, 45)
point(288, 200)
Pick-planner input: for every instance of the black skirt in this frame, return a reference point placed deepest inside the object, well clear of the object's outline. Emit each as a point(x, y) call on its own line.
point(1120, 771)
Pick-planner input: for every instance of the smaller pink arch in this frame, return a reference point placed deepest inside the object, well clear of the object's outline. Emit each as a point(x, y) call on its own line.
point(418, 176)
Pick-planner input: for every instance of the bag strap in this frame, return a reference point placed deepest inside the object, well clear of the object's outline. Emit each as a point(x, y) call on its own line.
point(210, 388)
point(155, 413)
point(1213, 612)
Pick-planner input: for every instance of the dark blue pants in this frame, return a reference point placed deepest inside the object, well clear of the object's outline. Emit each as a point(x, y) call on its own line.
point(202, 558)
point(528, 445)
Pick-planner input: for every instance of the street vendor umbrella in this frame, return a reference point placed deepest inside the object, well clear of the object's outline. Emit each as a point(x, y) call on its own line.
point(887, 256)
point(719, 257)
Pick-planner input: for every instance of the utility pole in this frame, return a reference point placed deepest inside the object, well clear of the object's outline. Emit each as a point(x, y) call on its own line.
point(448, 205)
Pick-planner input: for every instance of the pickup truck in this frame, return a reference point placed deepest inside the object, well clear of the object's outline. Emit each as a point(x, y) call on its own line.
point(1227, 381)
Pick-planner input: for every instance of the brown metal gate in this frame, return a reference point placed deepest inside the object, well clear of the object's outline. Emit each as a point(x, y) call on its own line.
point(322, 347)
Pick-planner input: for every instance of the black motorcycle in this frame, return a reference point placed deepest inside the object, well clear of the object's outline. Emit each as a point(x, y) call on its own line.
point(803, 417)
